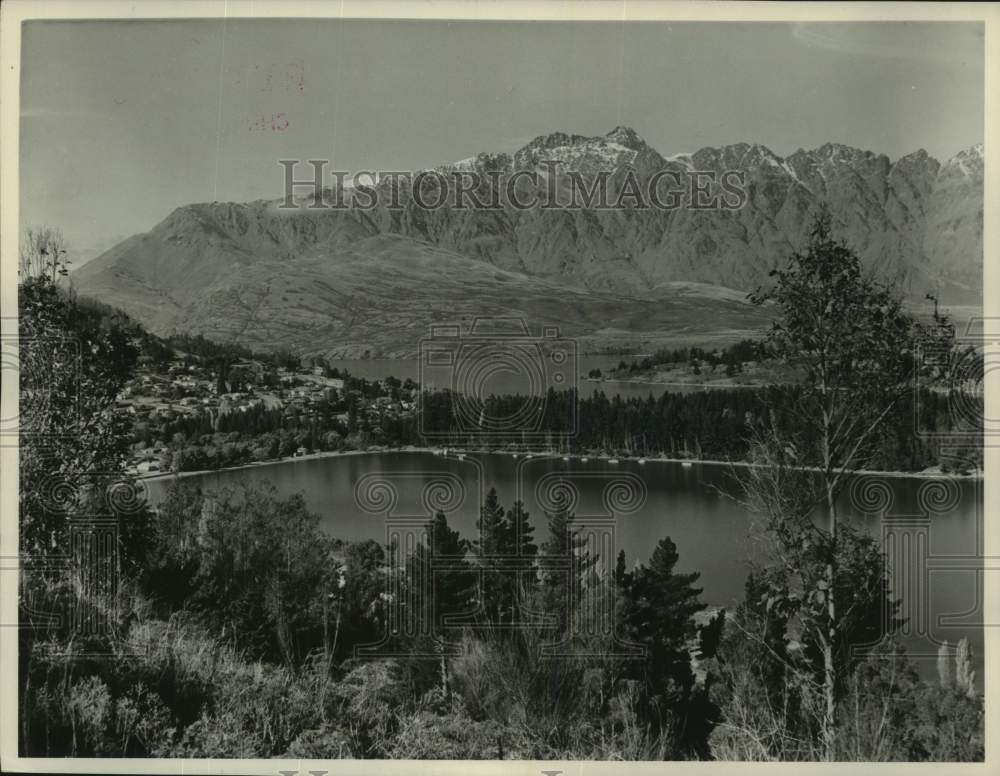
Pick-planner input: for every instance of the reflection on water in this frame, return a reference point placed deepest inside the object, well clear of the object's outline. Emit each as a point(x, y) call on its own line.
point(942, 594)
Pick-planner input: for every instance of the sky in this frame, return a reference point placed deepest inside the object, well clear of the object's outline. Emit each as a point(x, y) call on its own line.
point(123, 121)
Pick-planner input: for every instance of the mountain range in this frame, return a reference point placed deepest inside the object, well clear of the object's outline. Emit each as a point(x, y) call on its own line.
point(354, 283)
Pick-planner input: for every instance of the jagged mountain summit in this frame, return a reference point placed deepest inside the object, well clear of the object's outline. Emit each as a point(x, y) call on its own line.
point(349, 282)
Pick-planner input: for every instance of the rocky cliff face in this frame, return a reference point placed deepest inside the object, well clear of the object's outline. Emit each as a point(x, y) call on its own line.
point(351, 281)
point(916, 221)
point(953, 233)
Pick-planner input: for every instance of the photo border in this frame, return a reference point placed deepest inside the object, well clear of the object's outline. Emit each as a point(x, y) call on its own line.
point(14, 12)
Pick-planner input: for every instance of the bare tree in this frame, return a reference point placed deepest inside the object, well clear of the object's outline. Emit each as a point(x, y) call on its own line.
point(42, 253)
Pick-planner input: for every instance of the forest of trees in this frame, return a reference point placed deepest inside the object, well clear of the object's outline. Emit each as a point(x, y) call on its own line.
point(712, 425)
point(731, 358)
point(229, 624)
point(709, 425)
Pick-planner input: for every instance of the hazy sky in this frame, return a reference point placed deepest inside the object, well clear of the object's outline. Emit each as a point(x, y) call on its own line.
point(123, 121)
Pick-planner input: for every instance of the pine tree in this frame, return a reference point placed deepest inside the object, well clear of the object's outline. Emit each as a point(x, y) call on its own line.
point(658, 614)
point(620, 569)
point(520, 541)
point(662, 603)
point(492, 527)
point(521, 532)
point(564, 564)
point(492, 543)
point(441, 587)
point(441, 569)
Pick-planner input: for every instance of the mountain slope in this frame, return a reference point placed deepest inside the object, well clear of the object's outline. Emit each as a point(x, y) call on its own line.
point(382, 293)
point(356, 281)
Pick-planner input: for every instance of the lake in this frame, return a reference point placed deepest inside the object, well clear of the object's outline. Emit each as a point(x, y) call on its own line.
point(633, 506)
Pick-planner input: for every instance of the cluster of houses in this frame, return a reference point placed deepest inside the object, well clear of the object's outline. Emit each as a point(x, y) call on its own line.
point(158, 397)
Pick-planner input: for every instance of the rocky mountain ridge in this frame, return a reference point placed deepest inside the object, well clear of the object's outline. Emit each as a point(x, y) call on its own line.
point(227, 268)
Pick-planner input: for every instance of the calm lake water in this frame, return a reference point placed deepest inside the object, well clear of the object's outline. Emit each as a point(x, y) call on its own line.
point(635, 505)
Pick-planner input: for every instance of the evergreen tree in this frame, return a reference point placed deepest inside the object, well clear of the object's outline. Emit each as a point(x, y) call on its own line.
point(620, 569)
point(441, 571)
point(522, 546)
point(564, 566)
point(658, 614)
point(521, 532)
point(493, 542)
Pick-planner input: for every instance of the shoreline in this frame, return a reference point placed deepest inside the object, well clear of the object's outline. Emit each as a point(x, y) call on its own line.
point(719, 384)
point(447, 452)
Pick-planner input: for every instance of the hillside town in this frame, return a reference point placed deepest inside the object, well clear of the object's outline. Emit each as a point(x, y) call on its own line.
point(185, 404)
